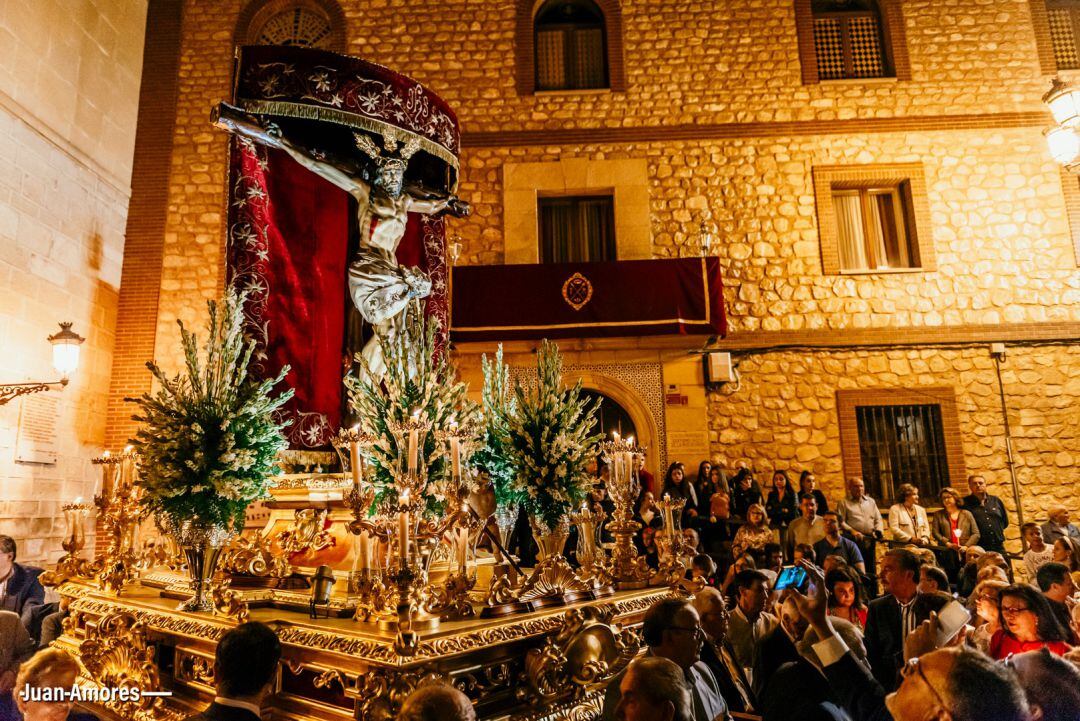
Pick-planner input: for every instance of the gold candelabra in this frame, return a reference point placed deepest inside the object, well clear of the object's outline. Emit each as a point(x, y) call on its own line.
point(71, 564)
point(670, 542)
point(120, 512)
point(628, 568)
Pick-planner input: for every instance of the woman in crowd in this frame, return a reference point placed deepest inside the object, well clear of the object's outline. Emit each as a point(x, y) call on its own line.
point(648, 547)
point(907, 519)
point(742, 563)
point(754, 534)
point(845, 596)
point(676, 486)
point(782, 505)
point(719, 480)
point(646, 509)
point(808, 485)
point(1027, 624)
point(716, 530)
point(954, 527)
point(985, 602)
point(745, 492)
point(703, 482)
point(1067, 551)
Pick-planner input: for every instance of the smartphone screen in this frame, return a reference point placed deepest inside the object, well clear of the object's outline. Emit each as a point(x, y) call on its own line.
point(790, 577)
point(951, 619)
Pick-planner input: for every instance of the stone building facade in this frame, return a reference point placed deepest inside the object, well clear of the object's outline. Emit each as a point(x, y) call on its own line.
point(69, 96)
point(718, 113)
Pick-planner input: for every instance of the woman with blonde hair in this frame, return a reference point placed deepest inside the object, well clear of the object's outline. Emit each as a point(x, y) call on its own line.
point(754, 534)
point(49, 668)
point(984, 602)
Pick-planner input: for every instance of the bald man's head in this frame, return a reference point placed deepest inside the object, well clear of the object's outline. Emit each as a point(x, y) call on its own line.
point(437, 702)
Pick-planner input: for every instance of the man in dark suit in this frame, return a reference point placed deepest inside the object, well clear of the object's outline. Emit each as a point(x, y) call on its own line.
point(244, 666)
point(717, 654)
point(989, 514)
point(20, 590)
point(892, 617)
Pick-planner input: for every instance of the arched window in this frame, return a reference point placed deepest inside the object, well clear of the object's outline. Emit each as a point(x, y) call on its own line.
point(571, 47)
point(849, 40)
point(304, 23)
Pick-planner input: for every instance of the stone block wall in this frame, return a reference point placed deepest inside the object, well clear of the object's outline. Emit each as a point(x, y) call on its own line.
point(69, 84)
point(784, 414)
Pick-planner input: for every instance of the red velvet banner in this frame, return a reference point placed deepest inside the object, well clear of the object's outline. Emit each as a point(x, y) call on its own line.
point(568, 300)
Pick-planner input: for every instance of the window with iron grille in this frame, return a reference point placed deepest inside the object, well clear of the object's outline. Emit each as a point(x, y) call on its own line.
point(1064, 18)
point(873, 226)
point(902, 444)
point(849, 41)
point(577, 229)
point(570, 46)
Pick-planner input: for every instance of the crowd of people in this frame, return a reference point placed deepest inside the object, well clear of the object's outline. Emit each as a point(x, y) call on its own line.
point(869, 634)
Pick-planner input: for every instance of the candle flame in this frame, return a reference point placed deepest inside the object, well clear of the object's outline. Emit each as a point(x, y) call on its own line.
point(630, 440)
point(356, 428)
point(78, 501)
point(105, 454)
point(128, 448)
point(416, 414)
point(615, 435)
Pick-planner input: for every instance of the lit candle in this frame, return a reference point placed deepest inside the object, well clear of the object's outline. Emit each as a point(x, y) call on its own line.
point(463, 549)
point(455, 451)
point(126, 464)
point(403, 527)
point(414, 437)
point(108, 471)
point(365, 550)
point(354, 459)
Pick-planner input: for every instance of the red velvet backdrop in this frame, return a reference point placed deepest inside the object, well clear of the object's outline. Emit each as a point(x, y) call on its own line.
point(289, 245)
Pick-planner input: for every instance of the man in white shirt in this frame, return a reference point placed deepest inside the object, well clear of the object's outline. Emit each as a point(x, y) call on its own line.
point(672, 630)
point(860, 519)
point(808, 528)
point(749, 622)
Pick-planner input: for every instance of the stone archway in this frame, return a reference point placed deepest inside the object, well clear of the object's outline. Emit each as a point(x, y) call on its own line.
point(646, 425)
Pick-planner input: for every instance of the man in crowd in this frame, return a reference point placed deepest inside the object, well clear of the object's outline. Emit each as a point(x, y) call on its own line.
point(778, 648)
point(654, 689)
point(807, 528)
point(717, 654)
point(932, 579)
point(892, 617)
point(672, 630)
point(16, 646)
point(244, 666)
point(749, 622)
point(860, 518)
point(989, 514)
point(950, 684)
point(1057, 586)
point(20, 590)
point(836, 545)
point(437, 702)
point(1059, 526)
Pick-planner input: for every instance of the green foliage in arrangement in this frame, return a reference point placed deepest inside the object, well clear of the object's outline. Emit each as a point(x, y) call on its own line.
point(550, 440)
point(418, 377)
point(210, 435)
point(492, 455)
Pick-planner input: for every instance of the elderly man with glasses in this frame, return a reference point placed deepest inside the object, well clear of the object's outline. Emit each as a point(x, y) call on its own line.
point(672, 630)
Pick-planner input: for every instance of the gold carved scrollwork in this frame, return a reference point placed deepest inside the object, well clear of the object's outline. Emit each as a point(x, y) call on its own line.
point(307, 532)
point(254, 556)
point(194, 668)
point(554, 576)
point(228, 603)
point(116, 655)
point(585, 653)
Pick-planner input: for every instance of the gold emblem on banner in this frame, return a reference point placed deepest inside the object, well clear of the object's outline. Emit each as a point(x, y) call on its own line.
point(577, 291)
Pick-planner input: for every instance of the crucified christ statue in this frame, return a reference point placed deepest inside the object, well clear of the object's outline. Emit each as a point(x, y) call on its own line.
point(379, 287)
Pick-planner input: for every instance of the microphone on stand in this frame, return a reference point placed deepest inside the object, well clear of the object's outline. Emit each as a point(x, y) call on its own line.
point(322, 584)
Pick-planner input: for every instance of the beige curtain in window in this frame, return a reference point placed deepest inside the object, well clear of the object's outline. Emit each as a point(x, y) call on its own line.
point(877, 255)
point(550, 60)
point(849, 226)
